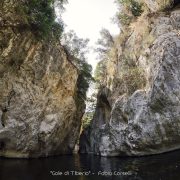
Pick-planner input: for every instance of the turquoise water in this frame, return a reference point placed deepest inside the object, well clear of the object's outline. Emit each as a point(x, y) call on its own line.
point(84, 167)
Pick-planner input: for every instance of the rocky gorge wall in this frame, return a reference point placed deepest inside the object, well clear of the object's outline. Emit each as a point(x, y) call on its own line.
point(148, 120)
point(40, 110)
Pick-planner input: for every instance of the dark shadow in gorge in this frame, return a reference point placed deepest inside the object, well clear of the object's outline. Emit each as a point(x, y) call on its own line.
point(176, 2)
point(101, 118)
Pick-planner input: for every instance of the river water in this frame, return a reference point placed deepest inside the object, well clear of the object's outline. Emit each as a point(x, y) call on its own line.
point(158, 167)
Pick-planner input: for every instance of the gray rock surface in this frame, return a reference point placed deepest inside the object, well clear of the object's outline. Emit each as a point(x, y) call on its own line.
point(148, 121)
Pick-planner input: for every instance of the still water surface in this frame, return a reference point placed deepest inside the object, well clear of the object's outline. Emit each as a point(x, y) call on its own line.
point(158, 167)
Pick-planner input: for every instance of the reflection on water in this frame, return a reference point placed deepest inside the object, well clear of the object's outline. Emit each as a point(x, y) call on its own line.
point(158, 167)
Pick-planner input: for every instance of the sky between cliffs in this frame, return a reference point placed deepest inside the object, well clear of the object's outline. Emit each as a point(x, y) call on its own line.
point(87, 18)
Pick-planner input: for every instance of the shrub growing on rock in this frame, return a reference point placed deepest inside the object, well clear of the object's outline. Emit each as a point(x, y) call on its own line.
point(134, 6)
point(40, 17)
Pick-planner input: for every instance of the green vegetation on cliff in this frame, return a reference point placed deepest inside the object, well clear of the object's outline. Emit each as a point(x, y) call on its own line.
point(129, 76)
point(43, 19)
point(40, 16)
point(133, 6)
point(76, 49)
point(128, 11)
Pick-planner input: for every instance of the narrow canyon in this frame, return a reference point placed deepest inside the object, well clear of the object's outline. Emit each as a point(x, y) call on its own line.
point(41, 99)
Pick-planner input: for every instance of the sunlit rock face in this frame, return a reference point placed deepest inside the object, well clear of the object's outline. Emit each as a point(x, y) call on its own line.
point(148, 121)
point(40, 111)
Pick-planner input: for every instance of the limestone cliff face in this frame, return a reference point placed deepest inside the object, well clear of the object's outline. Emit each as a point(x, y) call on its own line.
point(148, 120)
point(40, 111)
